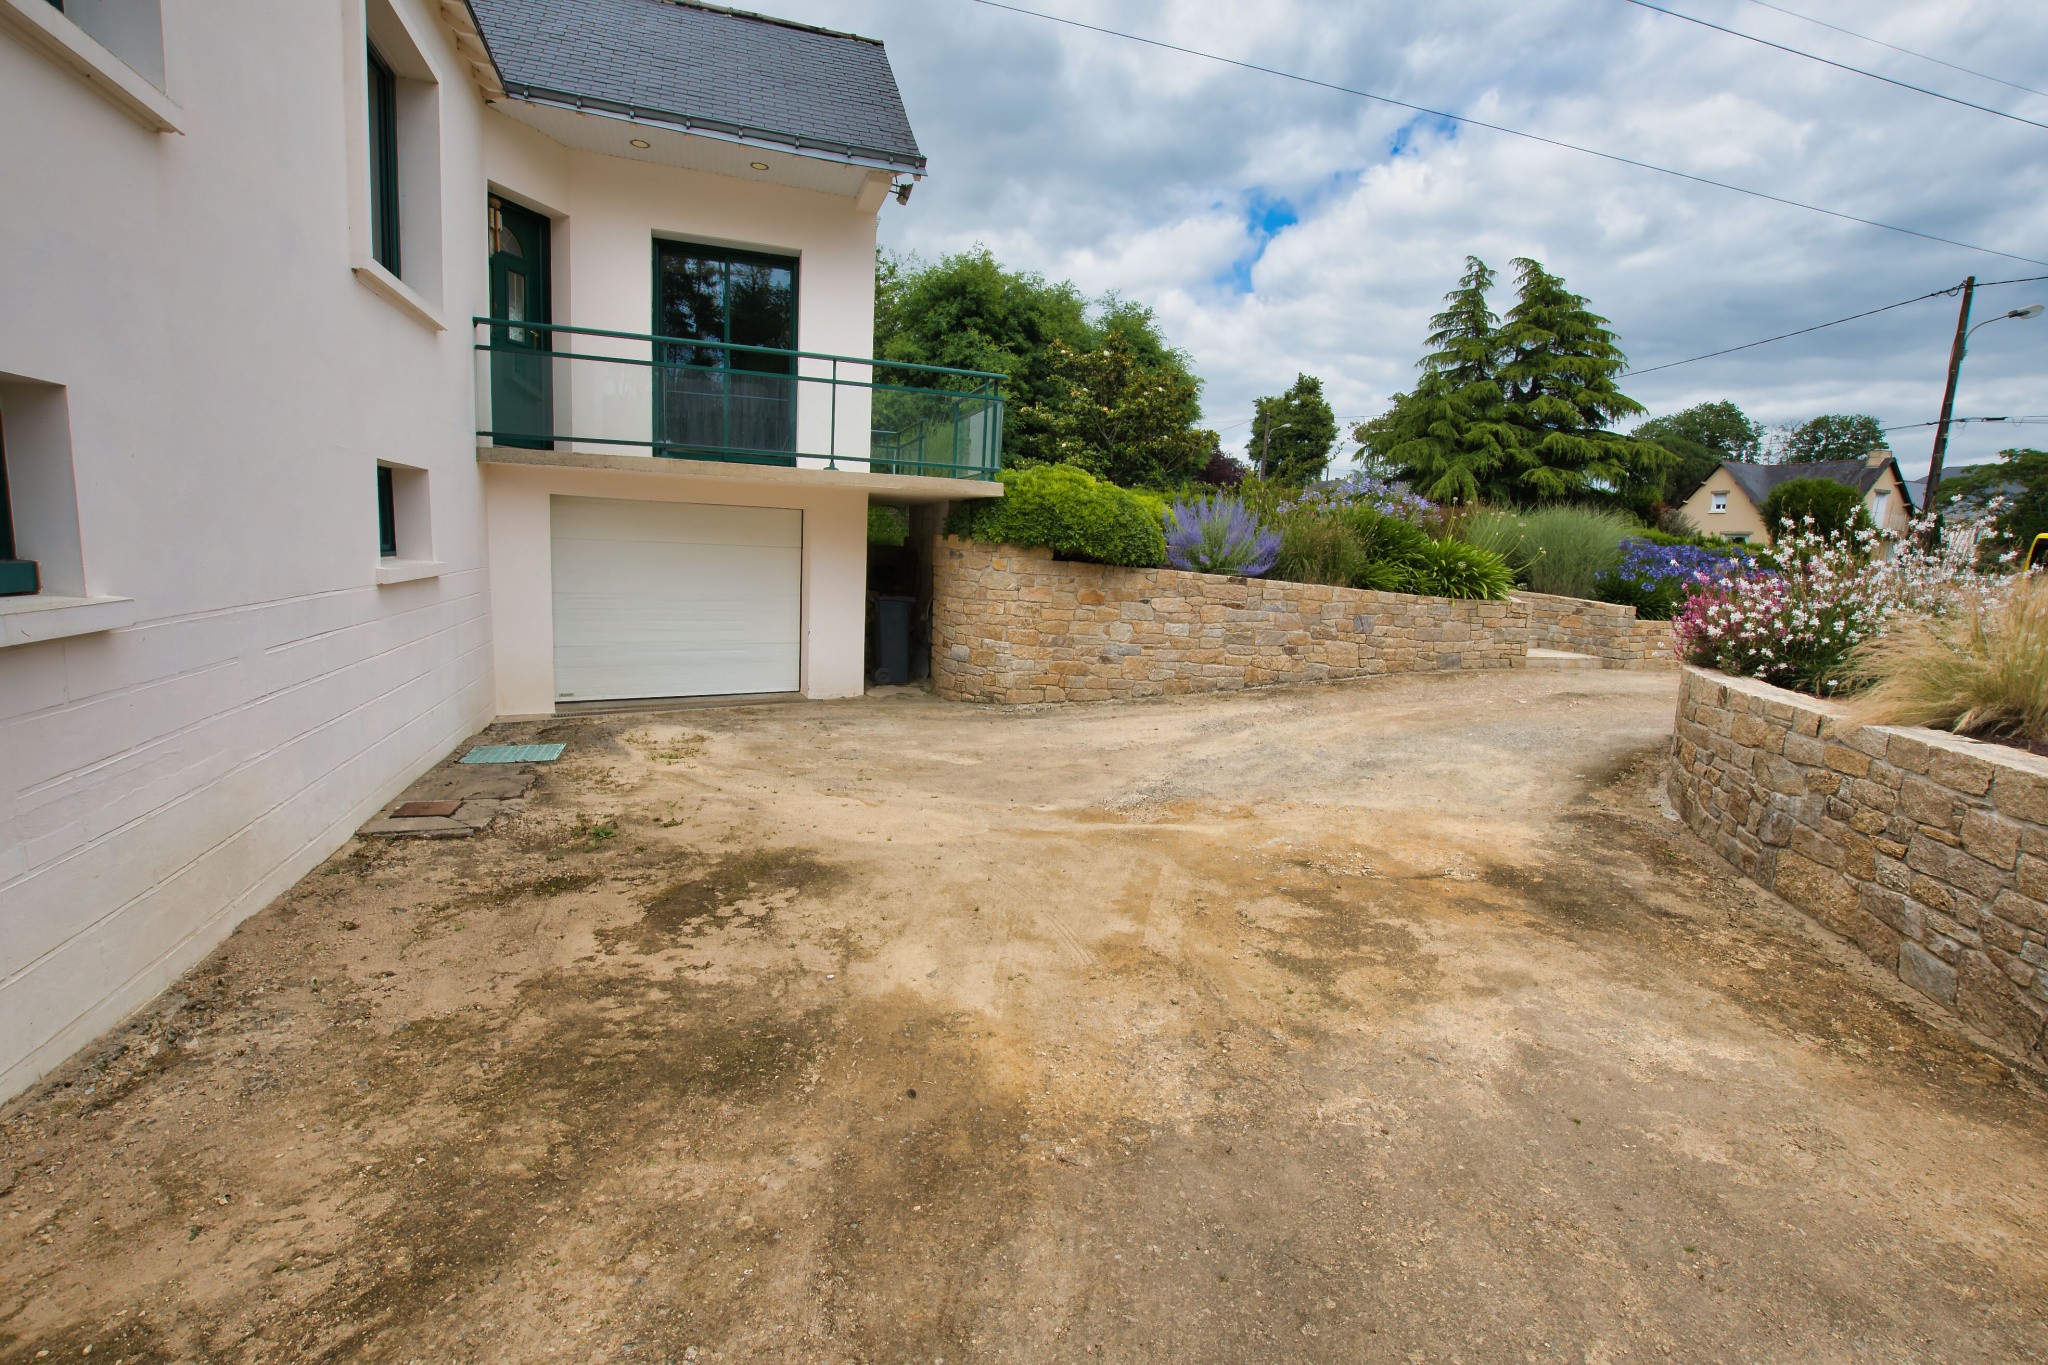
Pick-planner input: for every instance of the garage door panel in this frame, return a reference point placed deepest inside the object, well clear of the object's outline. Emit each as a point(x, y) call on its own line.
point(675, 599)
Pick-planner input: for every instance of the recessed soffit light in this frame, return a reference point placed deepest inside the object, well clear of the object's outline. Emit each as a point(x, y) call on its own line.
point(758, 165)
point(641, 142)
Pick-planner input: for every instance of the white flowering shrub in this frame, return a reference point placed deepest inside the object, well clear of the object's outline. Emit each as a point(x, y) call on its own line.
point(1798, 615)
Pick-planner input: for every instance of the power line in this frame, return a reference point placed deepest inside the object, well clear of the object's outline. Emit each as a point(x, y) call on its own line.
point(1864, 37)
point(1951, 291)
point(1501, 128)
point(1839, 66)
point(2029, 420)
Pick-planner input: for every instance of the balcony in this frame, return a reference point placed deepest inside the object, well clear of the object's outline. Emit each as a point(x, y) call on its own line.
point(581, 389)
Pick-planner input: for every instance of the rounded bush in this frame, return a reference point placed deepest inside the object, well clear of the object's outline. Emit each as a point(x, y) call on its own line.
point(1075, 515)
point(1834, 507)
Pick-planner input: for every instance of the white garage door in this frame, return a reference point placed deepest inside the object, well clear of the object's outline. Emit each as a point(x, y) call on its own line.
point(671, 599)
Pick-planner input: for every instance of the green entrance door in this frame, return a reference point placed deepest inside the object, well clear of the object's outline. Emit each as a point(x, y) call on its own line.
point(522, 389)
point(716, 401)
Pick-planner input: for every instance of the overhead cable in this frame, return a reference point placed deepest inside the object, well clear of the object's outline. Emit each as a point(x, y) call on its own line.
point(1951, 291)
point(1469, 122)
point(1839, 66)
point(1907, 51)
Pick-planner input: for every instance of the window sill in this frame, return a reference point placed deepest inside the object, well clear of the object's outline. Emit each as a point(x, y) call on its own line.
point(28, 620)
point(381, 281)
point(40, 24)
point(406, 570)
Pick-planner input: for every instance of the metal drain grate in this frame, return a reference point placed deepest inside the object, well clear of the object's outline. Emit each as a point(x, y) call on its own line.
point(514, 753)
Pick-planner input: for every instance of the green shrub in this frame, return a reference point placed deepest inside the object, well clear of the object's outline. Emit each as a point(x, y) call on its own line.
point(1073, 514)
point(1451, 568)
point(1385, 539)
point(1834, 507)
point(888, 526)
point(1316, 547)
point(1570, 547)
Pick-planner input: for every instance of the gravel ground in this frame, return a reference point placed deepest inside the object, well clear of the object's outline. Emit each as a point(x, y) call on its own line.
point(1383, 1021)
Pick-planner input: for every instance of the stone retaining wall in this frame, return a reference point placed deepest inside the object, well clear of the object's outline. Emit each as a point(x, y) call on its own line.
point(1928, 851)
point(1607, 632)
point(1016, 625)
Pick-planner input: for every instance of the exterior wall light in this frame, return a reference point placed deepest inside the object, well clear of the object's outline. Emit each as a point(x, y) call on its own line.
point(641, 142)
point(758, 165)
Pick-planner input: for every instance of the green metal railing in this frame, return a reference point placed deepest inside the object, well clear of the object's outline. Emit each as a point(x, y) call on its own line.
point(550, 386)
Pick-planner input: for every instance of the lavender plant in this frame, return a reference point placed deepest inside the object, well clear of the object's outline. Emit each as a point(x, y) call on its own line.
point(1219, 534)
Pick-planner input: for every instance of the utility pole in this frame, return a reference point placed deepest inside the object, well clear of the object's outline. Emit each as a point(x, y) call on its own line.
point(1948, 397)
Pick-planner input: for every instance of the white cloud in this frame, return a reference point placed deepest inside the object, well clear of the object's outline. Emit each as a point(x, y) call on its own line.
point(1123, 166)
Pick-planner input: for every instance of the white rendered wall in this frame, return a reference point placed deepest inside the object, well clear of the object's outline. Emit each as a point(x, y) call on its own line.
point(517, 502)
point(230, 387)
point(606, 213)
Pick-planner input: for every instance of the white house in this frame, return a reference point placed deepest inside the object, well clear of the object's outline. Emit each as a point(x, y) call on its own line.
point(370, 369)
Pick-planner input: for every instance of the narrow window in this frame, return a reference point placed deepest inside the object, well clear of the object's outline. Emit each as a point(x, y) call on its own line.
point(383, 163)
point(17, 576)
point(387, 514)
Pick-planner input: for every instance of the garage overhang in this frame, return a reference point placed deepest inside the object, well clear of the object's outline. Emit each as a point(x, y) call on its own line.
point(902, 490)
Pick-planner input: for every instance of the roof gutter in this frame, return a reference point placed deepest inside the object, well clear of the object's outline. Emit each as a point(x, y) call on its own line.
point(821, 148)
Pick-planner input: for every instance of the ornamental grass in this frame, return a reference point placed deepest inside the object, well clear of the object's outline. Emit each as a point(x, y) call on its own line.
point(1979, 671)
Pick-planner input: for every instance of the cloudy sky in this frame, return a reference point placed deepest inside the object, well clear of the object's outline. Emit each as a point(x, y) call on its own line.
point(1277, 228)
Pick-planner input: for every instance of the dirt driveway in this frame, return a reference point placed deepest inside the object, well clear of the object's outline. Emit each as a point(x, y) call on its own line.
point(1373, 1022)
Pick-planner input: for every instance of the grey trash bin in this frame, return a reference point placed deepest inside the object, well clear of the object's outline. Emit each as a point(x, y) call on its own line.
point(892, 639)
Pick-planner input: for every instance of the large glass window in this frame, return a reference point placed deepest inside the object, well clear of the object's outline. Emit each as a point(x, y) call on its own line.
point(724, 399)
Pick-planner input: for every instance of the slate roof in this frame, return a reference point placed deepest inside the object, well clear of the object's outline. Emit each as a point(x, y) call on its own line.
point(1759, 480)
point(709, 68)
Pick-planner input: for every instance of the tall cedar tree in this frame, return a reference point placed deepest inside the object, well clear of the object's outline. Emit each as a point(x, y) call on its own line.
point(966, 312)
point(1119, 418)
point(1518, 411)
point(1294, 433)
point(1450, 437)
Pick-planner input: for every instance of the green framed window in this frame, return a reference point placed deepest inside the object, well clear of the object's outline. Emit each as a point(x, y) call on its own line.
point(383, 162)
point(387, 514)
point(711, 399)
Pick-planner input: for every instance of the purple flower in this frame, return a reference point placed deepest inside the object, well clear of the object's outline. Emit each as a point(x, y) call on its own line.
point(1361, 489)
point(1219, 535)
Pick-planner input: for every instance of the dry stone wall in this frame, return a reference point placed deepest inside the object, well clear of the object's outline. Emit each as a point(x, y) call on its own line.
point(1928, 851)
point(1014, 625)
point(1607, 632)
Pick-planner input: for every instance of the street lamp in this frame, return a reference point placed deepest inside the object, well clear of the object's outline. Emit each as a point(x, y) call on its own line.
point(1964, 331)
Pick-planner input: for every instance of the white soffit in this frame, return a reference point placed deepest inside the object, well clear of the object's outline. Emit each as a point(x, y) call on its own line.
point(611, 135)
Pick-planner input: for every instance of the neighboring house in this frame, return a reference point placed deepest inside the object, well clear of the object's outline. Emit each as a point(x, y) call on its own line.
point(282, 525)
point(1730, 502)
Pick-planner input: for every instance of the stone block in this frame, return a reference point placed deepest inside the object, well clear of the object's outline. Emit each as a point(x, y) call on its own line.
point(1993, 838)
point(1926, 973)
point(1969, 774)
point(2024, 912)
point(1800, 749)
point(2021, 795)
point(1989, 1000)
point(1929, 803)
point(1891, 909)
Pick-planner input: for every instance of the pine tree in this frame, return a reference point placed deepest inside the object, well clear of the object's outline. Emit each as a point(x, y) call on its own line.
point(1558, 381)
point(1449, 438)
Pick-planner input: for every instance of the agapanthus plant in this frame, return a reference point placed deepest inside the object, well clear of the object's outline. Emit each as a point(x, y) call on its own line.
point(1656, 579)
point(1219, 534)
point(1360, 490)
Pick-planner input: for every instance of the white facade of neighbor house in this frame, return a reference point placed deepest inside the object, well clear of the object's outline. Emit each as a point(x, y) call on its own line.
point(202, 366)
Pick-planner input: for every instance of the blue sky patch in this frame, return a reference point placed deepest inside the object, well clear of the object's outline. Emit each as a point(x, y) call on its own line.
point(1265, 217)
point(1402, 143)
